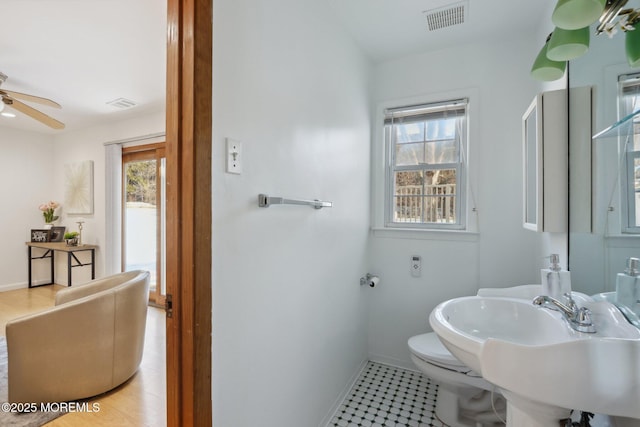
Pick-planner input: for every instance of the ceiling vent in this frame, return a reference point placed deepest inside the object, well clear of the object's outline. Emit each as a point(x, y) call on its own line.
point(446, 16)
point(122, 103)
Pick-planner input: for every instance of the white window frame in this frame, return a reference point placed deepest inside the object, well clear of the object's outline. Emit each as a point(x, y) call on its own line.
point(627, 178)
point(462, 137)
point(378, 169)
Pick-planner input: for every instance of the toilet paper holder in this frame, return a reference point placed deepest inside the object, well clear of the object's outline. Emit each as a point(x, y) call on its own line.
point(369, 279)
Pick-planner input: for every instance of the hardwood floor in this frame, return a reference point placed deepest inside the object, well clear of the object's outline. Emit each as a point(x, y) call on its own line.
point(141, 401)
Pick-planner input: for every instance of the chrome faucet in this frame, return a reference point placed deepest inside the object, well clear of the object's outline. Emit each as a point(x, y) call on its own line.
point(578, 318)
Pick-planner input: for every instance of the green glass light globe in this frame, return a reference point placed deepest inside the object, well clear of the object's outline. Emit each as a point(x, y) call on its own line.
point(574, 14)
point(566, 45)
point(632, 46)
point(545, 69)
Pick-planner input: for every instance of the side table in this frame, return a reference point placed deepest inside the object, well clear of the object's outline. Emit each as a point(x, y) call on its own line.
point(72, 261)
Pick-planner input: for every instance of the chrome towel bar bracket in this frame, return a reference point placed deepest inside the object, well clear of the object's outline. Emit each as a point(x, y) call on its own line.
point(264, 201)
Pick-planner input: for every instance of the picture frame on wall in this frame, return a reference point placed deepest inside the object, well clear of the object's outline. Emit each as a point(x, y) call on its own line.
point(40, 235)
point(78, 188)
point(57, 234)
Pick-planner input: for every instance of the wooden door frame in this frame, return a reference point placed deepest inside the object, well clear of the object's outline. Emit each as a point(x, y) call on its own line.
point(188, 139)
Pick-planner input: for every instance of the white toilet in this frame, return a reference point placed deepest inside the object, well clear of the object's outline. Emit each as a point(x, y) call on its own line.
point(464, 397)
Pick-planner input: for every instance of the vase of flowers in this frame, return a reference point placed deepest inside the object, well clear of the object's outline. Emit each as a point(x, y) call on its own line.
point(48, 212)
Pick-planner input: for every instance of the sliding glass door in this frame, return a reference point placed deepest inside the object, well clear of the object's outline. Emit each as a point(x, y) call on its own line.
point(143, 216)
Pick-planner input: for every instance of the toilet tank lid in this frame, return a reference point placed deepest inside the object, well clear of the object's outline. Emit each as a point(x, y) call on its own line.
point(429, 347)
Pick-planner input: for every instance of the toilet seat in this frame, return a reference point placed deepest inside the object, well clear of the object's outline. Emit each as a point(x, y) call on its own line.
point(429, 348)
point(465, 399)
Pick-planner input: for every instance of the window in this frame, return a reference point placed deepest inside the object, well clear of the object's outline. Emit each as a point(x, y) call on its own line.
point(426, 146)
point(629, 102)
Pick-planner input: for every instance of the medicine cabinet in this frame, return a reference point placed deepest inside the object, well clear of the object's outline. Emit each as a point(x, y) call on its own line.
point(545, 163)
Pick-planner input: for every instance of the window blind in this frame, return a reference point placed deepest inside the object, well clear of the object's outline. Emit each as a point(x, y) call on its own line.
point(629, 84)
point(424, 112)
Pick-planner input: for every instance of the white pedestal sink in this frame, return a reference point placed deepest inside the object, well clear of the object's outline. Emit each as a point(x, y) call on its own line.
point(544, 367)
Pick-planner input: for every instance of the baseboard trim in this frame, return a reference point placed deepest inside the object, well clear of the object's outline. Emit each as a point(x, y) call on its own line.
point(13, 286)
point(347, 388)
point(21, 285)
point(391, 361)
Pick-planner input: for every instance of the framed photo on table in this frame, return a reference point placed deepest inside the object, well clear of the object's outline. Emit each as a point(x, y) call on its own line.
point(57, 234)
point(40, 235)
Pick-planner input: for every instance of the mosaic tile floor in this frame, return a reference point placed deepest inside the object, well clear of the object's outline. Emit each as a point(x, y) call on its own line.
point(385, 396)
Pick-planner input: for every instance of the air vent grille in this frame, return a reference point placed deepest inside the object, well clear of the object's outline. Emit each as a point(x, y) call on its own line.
point(446, 16)
point(122, 103)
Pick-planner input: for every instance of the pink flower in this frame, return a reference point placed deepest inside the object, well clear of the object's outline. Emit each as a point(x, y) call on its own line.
point(48, 211)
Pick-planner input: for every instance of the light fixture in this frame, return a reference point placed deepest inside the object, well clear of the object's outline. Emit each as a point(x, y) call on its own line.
point(571, 36)
point(566, 45)
point(7, 114)
point(632, 46)
point(574, 14)
point(546, 69)
point(610, 13)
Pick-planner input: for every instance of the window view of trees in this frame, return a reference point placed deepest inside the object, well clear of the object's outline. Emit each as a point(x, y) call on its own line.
point(141, 181)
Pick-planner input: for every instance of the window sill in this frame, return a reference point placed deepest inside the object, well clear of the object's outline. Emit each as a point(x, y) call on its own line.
point(623, 240)
point(424, 234)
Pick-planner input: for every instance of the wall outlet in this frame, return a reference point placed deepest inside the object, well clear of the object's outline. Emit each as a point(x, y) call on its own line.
point(234, 156)
point(416, 265)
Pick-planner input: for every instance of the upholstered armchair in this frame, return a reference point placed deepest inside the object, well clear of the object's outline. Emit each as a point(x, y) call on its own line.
point(90, 342)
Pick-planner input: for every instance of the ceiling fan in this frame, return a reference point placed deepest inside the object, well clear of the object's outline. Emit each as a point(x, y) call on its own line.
point(10, 98)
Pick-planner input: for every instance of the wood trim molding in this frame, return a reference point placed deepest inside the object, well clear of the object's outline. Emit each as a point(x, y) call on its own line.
point(143, 148)
point(188, 139)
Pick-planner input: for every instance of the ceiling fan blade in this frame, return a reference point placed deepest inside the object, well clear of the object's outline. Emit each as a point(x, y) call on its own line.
point(35, 114)
point(30, 98)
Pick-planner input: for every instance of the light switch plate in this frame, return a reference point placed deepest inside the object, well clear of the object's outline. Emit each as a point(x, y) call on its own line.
point(234, 156)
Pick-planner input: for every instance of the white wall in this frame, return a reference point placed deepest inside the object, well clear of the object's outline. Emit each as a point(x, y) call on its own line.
point(289, 326)
point(503, 253)
point(27, 164)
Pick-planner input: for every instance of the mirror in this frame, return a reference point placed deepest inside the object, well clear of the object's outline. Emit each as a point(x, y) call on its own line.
point(531, 151)
point(599, 246)
point(544, 133)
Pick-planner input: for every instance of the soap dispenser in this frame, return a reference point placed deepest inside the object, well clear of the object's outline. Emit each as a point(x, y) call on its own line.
point(628, 288)
point(555, 282)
